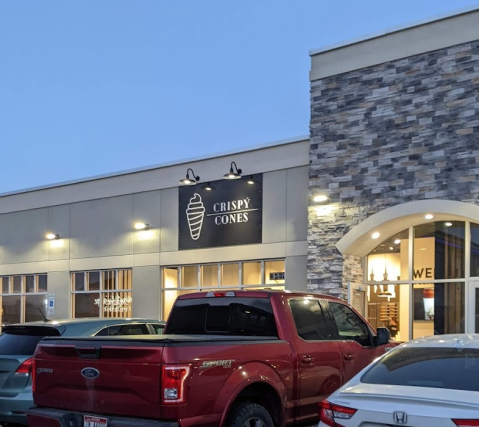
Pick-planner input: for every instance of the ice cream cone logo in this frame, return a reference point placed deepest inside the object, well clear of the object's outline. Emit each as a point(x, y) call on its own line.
point(195, 214)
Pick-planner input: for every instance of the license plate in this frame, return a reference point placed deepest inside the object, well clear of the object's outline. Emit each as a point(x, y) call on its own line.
point(89, 421)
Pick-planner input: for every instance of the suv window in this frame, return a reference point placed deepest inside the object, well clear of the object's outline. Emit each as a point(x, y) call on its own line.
point(223, 316)
point(451, 368)
point(349, 325)
point(309, 319)
point(21, 340)
point(158, 328)
point(125, 329)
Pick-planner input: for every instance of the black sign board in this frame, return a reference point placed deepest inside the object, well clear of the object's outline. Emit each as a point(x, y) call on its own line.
point(229, 214)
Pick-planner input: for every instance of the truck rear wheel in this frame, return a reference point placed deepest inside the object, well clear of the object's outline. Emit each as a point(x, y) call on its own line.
point(250, 415)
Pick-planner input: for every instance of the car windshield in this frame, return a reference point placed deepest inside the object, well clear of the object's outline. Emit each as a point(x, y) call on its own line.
point(450, 368)
point(223, 316)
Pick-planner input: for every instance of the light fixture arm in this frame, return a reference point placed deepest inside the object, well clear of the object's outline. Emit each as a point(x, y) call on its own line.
point(238, 171)
point(195, 177)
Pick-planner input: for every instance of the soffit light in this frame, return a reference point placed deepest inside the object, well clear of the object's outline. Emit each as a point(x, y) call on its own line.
point(319, 198)
point(141, 226)
point(52, 236)
point(208, 187)
point(375, 235)
point(429, 216)
point(190, 180)
point(232, 174)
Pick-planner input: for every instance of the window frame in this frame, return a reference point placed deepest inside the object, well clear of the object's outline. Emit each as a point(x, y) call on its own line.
point(23, 294)
point(180, 289)
point(328, 326)
point(362, 321)
point(102, 291)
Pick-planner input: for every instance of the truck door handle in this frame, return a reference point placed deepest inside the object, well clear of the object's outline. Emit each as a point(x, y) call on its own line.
point(307, 359)
point(349, 356)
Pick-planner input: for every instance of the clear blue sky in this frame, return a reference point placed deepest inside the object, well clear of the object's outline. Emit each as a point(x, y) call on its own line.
point(96, 86)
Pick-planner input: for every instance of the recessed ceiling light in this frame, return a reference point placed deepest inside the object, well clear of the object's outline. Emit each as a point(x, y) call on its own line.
point(429, 216)
point(422, 249)
point(375, 235)
point(397, 241)
point(448, 224)
point(391, 248)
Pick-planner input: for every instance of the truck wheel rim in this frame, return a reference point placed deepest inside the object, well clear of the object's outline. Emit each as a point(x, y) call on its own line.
point(254, 422)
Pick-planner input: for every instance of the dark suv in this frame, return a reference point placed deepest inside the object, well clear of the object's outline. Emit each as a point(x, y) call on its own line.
point(18, 343)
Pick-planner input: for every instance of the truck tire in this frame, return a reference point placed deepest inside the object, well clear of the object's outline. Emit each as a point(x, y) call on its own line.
point(249, 415)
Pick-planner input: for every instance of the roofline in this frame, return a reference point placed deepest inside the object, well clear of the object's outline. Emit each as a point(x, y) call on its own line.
point(392, 30)
point(159, 166)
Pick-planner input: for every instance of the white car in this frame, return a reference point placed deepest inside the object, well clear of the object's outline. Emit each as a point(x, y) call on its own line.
point(428, 382)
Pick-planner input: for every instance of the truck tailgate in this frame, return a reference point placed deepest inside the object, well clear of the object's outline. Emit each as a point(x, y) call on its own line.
point(116, 377)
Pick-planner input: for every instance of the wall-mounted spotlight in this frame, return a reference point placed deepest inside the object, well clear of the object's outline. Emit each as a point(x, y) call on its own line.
point(52, 236)
point(251, 180)
point(208, 187)
point(320, 198)
point(232, 174)
point(141, 226)
point(190, 180)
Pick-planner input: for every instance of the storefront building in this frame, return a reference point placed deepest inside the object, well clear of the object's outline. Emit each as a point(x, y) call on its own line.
point(394, 154)
point(379, 205)
point(128, 244)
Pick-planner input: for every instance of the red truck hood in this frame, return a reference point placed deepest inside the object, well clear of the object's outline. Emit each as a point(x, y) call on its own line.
point(99, 376)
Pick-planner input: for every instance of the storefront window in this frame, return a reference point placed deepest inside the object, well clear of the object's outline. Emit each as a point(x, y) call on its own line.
point(474, 250)
point(388, 306)
point(29, 298)
point(105, 293)
point(189, 276)
point(11, 312)
point(179, 280)
point(439, 250)
point(230, 274)
point(438, 309)
point(389, 261)
point(251, 273)
point(274, 272)
point(209, 275)
point(476, 314)
point(17, 284)
point(35, 305)
point(435, 294)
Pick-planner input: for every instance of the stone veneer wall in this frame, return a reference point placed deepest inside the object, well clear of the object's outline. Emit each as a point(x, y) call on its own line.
point(380, 136)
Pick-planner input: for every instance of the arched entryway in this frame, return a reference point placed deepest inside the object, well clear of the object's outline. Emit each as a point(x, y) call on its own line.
point(421, 267)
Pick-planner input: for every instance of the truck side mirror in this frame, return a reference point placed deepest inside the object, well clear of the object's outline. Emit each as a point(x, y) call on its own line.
point(383, 336)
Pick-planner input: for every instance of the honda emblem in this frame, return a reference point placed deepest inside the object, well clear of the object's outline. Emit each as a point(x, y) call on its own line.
point(400, 417)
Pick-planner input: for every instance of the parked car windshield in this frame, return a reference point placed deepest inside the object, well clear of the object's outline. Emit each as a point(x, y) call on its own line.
point(223, 316)
point(23, 340)
point(450, 368)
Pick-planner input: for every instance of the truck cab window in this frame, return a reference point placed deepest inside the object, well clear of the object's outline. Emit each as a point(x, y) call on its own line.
point(309, 319)
point(349, 325)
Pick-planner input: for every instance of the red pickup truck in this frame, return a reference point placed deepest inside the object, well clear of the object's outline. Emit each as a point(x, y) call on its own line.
point(233, 358)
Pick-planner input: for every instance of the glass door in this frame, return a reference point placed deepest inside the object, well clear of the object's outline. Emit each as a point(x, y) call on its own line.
point(474, 307)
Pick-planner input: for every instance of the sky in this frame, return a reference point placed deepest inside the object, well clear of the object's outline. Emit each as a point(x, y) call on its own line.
point(92, 87)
